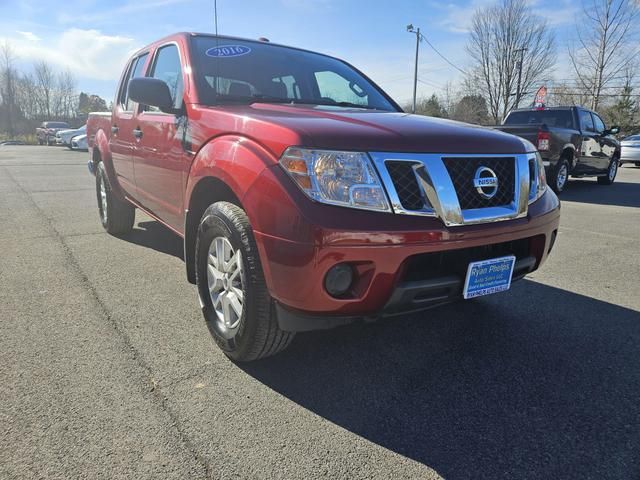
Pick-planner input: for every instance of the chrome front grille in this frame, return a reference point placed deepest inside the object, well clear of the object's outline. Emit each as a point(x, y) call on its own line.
point(462, 171)
point(443, 186)
point(406, 184)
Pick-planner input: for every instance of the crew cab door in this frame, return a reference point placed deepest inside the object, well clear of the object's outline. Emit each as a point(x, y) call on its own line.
point(606, 141)
point(160, 160)
point(590, 150)
point(121, 141)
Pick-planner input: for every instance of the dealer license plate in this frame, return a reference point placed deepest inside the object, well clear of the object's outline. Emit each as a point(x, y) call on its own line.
point(489, 276)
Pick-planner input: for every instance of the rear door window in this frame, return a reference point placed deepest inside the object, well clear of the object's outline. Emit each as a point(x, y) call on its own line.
point(135, 71)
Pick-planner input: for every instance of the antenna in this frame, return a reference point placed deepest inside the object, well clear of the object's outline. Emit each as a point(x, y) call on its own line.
point(215, 15)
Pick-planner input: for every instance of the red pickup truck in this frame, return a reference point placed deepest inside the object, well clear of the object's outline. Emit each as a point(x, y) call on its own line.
point(306, 197)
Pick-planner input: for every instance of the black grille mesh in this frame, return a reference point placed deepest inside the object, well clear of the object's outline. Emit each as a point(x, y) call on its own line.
point(406, 184)
point(462, 171)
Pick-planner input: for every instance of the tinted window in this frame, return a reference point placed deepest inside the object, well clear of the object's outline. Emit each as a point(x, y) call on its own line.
point(236, 71)
point(599, 124)
point(167, 68)
point(552, 118)
point(57, 125)
point(122, 96)
point(136, 70)
point(586, 121)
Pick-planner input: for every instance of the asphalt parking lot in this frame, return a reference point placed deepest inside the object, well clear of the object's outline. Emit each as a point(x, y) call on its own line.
point(108, 371)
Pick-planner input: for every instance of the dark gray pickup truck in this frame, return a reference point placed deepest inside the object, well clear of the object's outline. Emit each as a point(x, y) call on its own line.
point(572, 141)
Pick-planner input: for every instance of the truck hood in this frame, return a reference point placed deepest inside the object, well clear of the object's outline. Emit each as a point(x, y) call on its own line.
point(366, 130)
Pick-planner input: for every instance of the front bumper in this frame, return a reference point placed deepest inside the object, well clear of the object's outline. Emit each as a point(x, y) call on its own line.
point(394, 265)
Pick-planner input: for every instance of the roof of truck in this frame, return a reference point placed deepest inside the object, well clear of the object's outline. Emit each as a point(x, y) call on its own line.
point(558, 107)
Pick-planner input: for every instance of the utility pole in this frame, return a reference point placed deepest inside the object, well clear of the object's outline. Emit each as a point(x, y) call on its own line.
point(411, 29)
point(518, 91)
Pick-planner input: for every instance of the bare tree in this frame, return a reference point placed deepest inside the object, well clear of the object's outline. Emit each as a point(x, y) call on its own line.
point(604, 44)
point(567, 93)
point(65, 98)
point(27, 97)
point(45, 82)
point(8, 81)
point(512, 49)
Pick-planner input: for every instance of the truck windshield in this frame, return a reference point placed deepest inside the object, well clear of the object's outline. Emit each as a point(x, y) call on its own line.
point(242, 72)
point(552, 118)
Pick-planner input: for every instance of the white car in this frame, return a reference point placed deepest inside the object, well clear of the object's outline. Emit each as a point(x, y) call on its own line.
point(63, 137)
point(630, 150)
point(79, 142)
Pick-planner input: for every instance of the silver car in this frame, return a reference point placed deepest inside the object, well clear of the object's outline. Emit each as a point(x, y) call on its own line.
point(63, 137)
point(630, 150)
point(79, 142)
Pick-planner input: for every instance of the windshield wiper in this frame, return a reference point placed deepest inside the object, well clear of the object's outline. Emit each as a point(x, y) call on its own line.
point(302, 101)
point(261, 98)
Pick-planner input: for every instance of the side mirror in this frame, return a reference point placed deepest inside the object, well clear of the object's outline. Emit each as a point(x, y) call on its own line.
point(153, 92)
point(613, 130)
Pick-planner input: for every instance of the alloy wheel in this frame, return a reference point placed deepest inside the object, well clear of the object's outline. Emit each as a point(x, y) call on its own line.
point(613, 169)
point(103, 200)
point(224, 279)
point(561, 177)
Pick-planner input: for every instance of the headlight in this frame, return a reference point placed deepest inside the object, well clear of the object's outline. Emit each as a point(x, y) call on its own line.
point(537, 178)
point(347, 179)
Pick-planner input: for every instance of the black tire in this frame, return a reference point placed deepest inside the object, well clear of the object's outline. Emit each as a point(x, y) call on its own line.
point(612, 171)
point(257, 334)
point(637, 164)
point(559, 176)
point(119, 216)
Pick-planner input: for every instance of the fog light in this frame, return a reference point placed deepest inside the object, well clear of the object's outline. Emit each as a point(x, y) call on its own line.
point(338, 279)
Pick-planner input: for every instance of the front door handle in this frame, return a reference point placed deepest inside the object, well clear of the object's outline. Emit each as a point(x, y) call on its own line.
point(114, 129)
point(137, 133)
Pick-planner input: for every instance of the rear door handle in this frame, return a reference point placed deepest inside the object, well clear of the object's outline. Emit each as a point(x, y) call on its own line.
point(114, 129)
point(137, 133)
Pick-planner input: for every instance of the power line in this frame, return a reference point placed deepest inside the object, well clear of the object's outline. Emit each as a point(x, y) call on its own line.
point(441, 55)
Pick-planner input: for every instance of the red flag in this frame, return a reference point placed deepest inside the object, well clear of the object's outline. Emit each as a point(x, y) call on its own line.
point(541, 94)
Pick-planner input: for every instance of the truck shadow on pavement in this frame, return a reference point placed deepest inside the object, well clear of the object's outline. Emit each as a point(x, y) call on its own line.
point(536, 383)
point(588, 191)
point(154, 235)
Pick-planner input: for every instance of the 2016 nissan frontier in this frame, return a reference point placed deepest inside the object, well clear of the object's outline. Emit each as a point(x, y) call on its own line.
point(305, 196)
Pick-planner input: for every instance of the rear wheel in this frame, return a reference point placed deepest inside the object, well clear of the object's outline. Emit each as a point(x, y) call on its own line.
point(637, 164)
point(609, 178)
point(117, 216)
point(559, 176)
point(236, 303)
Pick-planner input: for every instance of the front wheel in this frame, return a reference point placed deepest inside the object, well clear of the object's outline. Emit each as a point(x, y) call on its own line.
point(559, 176)
point(117, 216)
point(236, 303)
point(611, 173)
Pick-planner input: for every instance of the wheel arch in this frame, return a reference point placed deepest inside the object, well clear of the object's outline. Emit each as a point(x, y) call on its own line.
point(569, 152)
point(207, 191)
point(102, 153)
point(224, 170)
